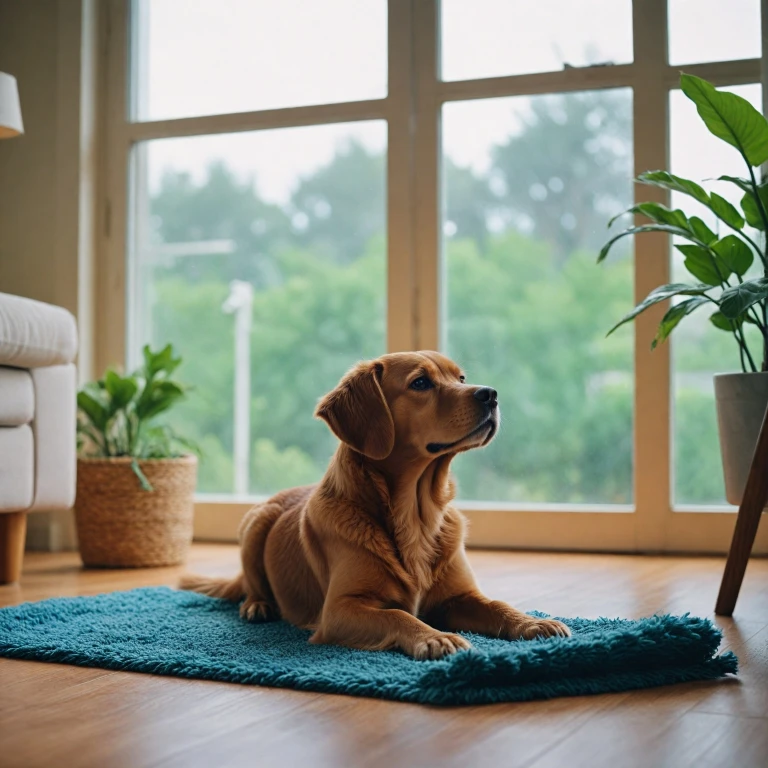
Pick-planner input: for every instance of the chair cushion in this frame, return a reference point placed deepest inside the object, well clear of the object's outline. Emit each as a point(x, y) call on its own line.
point(34, 334)
point(17, 469)
point(17, 397)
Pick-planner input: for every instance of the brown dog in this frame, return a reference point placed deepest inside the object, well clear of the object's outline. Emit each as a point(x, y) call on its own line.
point(373, 556)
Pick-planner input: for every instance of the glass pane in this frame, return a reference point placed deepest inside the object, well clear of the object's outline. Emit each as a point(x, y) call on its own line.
point(698, 349)
point(292, 223)
point(713, 30)
point(490, 38)
point(205, 57)
point(530, 183)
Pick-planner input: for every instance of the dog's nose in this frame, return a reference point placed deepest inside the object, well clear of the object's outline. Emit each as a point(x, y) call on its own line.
point(486, 395)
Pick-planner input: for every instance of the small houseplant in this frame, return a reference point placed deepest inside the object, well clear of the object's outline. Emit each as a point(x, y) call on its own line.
point(718, 265)
point(135, 478)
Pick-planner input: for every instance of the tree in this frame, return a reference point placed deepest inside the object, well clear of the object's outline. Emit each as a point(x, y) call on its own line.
point(527, 309)
point(568, 169)
point(220, 210)
point(341, 206)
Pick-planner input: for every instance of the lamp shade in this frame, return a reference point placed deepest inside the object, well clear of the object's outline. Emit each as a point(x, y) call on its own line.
point(10, 109)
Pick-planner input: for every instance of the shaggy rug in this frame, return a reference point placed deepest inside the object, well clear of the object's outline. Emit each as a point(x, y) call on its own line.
point(162, 631)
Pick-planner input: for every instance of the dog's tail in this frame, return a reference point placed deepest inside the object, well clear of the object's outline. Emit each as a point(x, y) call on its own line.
point(227, 589)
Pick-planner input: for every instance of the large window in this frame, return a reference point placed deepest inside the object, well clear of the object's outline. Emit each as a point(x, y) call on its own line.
point(261, 255)
point(530, 182)
point(294, 186)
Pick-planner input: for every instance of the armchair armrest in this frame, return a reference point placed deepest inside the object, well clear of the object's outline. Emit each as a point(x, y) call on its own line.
point(34, 334)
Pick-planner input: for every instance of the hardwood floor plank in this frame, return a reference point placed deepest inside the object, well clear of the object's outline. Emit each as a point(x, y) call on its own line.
point(741, 741)
point(53, 714)
point(748, 697)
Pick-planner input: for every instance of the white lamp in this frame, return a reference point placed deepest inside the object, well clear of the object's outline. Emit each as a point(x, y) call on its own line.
point(10, 109)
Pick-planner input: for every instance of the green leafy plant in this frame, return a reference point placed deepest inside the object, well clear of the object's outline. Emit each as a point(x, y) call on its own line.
point(718, 264)
point(117, 414)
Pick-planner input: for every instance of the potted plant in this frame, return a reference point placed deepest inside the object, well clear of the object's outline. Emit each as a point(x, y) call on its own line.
point(135, 478)
point(718, 264)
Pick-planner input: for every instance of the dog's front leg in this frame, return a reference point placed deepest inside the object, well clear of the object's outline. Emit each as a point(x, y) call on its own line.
point(455, 603)
point(357, 622)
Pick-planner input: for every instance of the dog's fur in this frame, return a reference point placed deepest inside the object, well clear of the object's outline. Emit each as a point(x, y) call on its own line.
point(373, 556)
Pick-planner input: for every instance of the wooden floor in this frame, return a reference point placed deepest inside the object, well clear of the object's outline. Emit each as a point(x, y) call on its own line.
point(54, 715)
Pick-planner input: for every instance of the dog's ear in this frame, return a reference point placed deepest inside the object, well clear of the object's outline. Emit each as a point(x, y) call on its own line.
point(358, 414)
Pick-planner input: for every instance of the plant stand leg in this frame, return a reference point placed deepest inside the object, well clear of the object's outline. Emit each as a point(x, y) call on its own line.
point(13, 531)
point(752, 506)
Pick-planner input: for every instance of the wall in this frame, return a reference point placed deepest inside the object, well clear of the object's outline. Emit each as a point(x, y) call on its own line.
point(48, 195)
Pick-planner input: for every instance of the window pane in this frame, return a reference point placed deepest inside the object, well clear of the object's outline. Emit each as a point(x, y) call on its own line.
point(490, 38)
point(298, 217)
point(204, 57)
point(713, 30)
point(698, 349)
point(530, 183)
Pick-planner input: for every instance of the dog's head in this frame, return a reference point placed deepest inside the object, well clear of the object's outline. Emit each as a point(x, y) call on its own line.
point(415, 402)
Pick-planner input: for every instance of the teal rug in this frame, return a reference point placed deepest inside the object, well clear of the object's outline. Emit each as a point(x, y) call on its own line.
point(165, 632)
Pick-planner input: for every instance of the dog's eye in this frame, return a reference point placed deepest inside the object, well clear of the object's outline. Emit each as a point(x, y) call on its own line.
point(461, 379)
point(421, 384)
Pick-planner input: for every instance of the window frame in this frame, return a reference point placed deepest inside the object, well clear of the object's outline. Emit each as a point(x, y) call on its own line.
point(412, 109)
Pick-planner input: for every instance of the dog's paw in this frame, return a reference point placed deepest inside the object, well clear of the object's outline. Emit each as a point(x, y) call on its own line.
point(437, 645)
point(256, 610)
point(540, 628)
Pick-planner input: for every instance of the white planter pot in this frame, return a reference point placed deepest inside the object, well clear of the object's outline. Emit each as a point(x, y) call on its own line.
point(742, 399)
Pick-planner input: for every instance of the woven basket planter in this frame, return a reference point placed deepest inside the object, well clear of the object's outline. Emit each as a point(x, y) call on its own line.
point(120, 525)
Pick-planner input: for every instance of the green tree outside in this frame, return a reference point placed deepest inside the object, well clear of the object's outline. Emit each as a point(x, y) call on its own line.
point(527, 311)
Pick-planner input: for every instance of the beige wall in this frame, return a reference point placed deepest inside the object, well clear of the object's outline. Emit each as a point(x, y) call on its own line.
point(48, 195)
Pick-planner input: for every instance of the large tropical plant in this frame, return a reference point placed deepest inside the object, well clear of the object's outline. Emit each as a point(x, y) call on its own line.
point(718, 263)
point(117, 415)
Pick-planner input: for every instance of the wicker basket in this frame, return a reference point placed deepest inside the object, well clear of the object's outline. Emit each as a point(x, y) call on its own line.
point(119, 524)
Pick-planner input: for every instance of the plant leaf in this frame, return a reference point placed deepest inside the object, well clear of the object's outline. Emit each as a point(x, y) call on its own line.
point(684, 233)
point(735, 253)
point(675, 184)
point(719, 320)
point(145, 484)
point(674, 315)
point(744, 184)
point(730, 118)
point(159, 362)
point(120, 389)
point(738, 299)
point(657, 295)
point(701, 231)
point(700, 262)
point(725, 211)
point(96, 412)
point(158, 396)
point(658, 213)
point(750, 207)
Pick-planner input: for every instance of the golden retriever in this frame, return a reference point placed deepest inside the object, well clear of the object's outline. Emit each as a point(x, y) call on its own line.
point(373, 556)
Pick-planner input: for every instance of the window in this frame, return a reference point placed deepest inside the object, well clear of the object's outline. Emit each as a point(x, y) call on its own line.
point(530, 182)
point(208, 57)
point(262, 256)
point(291, 189)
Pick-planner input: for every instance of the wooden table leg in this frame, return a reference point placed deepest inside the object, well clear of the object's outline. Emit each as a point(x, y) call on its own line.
point(13, 532)
point(752, 505)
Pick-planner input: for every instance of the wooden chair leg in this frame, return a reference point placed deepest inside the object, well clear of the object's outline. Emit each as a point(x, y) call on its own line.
point(752, 506)
point(13, 532)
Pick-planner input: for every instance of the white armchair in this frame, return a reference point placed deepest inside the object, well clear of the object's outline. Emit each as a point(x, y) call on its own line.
point(38, 344)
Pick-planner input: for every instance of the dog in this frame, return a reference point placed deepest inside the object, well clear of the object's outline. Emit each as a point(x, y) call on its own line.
point(373, 556)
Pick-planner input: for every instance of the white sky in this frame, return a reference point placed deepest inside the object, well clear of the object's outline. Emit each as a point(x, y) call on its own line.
point(207, 56)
